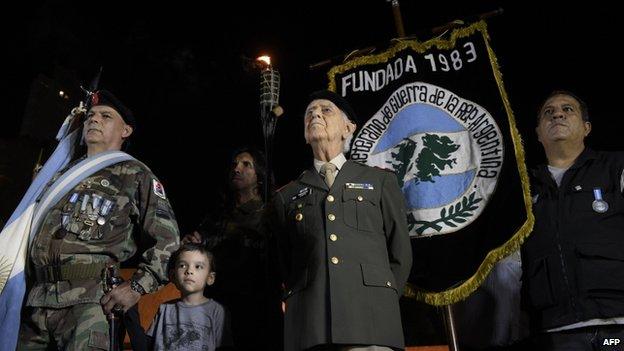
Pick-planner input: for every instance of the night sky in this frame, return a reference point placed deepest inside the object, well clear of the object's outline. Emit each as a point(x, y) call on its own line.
point(179, 67)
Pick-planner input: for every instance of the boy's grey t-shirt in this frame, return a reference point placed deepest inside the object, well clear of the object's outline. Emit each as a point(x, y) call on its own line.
point(178, 326)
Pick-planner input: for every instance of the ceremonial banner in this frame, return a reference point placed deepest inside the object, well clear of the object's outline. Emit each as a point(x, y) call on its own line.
point(437, 114)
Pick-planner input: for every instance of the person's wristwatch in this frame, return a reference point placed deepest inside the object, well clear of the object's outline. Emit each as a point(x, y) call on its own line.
point(134, 285)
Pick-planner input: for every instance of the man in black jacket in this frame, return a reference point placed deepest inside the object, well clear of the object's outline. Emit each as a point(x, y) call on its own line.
point(343, 243)
point(573, 263)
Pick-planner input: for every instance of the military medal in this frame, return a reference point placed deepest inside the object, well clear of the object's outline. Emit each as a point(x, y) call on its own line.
point(73, 198)
point(106, 207)
point(599, 205)
point(65, 219)
point(102, 211)
point(83, 204)
point(96, 201)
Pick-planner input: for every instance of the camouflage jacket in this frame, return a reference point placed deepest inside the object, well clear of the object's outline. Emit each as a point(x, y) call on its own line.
point(106, 218)
point(236, 237)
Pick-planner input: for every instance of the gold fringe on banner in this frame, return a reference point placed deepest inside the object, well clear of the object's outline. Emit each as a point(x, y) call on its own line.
point(463, 290)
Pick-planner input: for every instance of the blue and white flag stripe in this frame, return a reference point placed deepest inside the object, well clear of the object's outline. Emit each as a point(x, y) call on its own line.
point(13, 244)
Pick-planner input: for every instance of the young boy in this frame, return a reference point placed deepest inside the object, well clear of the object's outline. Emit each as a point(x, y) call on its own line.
point(194, 322)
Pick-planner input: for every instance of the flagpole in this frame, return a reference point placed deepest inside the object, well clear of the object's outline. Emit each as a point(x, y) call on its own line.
point(398, 18)
point(38, 164)
point(461, 22)
point(451, 331)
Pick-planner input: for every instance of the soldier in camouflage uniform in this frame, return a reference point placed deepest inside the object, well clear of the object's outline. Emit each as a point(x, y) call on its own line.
point(100, 222)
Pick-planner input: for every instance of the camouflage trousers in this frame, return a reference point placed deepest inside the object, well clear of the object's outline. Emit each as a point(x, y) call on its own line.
point(78, 327)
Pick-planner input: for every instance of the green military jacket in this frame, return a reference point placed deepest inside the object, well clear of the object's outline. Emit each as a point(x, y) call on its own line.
point(239, 244)
point(105, 219)
point(345, 255)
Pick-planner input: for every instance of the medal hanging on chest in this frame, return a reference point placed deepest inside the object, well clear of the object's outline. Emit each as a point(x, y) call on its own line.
point(599, 205)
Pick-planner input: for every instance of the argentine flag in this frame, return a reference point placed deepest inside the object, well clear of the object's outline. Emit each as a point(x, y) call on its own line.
point(15, 236)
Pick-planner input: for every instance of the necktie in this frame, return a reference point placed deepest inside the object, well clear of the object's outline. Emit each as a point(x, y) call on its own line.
point(328, 172)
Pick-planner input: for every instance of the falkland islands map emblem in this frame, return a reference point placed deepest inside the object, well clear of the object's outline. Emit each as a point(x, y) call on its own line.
point(447, 154)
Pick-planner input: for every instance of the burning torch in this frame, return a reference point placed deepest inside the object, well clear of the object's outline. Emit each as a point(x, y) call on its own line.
point(269, 111)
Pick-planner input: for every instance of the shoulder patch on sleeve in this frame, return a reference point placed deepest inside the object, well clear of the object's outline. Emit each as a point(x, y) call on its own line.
point(159, 189)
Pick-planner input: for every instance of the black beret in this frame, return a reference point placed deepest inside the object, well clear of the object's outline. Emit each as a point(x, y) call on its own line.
point(106, 98)
point(338, 100)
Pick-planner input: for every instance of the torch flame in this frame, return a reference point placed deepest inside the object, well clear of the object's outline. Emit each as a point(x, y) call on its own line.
point(265, 59)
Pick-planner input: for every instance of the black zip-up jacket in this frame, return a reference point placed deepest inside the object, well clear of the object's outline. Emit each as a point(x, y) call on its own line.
point(573, 262)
